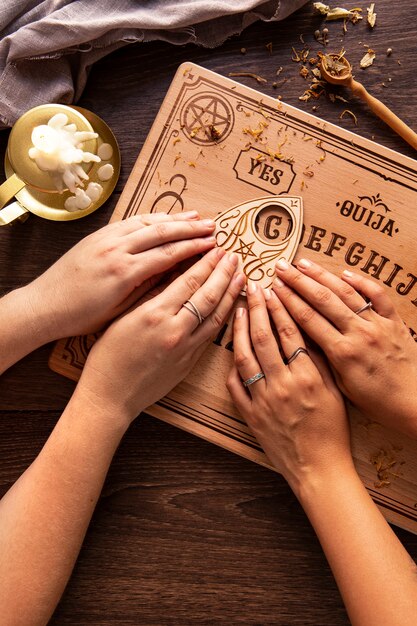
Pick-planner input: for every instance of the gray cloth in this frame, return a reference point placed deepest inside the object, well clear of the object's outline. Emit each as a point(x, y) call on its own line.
point(48, 46)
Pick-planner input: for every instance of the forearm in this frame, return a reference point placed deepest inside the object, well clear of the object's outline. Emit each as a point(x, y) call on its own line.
point(24, 326)
point(44, 516)
point(376, 576)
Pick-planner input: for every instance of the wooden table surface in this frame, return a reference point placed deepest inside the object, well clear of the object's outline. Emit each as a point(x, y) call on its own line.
point(185, 532)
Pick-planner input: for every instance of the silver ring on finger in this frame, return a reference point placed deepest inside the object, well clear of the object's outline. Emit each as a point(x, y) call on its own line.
point(253, 379)
point(296, 353)
point(190, 306)
point(363, 308)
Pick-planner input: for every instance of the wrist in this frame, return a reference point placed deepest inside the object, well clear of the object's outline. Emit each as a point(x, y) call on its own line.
point(314, 482)
point(112, 418)
point(40, 316)
point(24, 326)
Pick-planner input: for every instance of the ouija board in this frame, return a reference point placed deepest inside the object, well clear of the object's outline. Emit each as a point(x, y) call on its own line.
point(215, 145)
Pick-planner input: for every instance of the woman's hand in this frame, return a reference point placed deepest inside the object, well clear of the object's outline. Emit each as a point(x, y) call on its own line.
point(372, 353)
point(105, 273)
point(296, 411)
point(150, 349)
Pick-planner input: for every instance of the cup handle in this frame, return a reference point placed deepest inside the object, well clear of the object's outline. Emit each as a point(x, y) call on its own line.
point(9, 188)
point(14, 210)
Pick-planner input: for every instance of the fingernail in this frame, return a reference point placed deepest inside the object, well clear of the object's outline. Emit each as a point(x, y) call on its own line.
point(189, 215)
point(278, 282)
point(347, 273)
point(210, 238)
point(252, 287)
point(233, 257)
point(304, 263)
point(240, 312)
point(267, 293)
point(209, 223)
point(282, 264)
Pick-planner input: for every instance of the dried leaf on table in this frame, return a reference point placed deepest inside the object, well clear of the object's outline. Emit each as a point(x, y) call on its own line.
point(368, 59)
point(337, 13)
point(371, 15)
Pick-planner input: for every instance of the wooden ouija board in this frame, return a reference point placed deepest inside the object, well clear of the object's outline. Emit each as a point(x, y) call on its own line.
point(216, 144)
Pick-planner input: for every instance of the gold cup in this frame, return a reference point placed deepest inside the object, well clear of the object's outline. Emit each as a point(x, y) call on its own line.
point(34, 188)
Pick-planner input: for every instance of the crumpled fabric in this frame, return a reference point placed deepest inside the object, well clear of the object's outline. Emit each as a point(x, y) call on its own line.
point(48, 46)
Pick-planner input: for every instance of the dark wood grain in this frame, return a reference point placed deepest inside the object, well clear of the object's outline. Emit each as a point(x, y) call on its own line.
point(185, 532)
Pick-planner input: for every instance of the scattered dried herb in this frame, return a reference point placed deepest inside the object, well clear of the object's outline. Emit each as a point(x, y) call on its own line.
point(371, 15)
point(269, 47)
point(368, 58)
point(259, 79)
point(281, 82)
point(254, 132)
point(337, 13)
point(389, 52)
point(300, 56)
point(385, 463)
point(322, 36)
point(304, 72)
point(194, 131)
point(215, 134)
point(353, 116)
point(333, 97)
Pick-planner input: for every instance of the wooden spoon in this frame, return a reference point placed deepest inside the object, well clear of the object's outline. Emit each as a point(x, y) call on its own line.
point(338, 71)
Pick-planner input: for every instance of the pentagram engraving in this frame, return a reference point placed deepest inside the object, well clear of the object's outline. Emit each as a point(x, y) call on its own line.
point(207, 119)
point(245, 249)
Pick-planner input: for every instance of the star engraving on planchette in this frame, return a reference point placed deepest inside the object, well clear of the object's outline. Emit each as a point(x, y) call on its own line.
point(245, 249)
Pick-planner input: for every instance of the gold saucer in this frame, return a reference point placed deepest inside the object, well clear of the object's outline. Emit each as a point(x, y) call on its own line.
point(51, 205)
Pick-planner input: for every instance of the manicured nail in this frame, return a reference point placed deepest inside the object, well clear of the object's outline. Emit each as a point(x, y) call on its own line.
point(189, 215)
point(233, 258)
point(347, 273)
point(304, 263)
point(210, 239)
point(278, 282)
point(267, 293)
point(209, 223)
point(240, 312)
point(282, 264)
point(252, 287)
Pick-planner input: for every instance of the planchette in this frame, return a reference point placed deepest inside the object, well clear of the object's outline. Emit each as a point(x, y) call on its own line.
point(260, 232)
